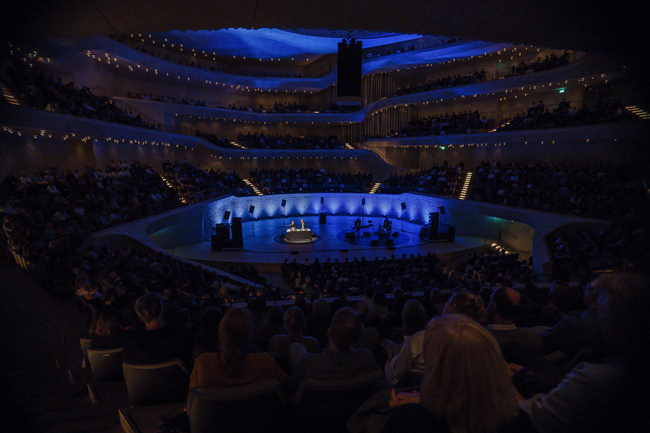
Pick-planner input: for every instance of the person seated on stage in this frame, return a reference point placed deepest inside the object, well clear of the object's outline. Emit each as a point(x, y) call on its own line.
point(357, 223)
point(302, 224)
point(292, 226)
point(387, 223)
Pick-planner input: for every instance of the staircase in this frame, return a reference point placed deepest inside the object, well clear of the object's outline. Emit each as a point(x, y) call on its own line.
point(255, 189)
point(375, 187)
point(8, 96)
point(642, 114)
point(466, 184)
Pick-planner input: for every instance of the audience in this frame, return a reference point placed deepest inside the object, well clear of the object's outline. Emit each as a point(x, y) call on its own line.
point(440, 179)
point(50, 94)
point(269, 141)
point(294, 322)
point(466, 385)
point(234, 365)
point(294, 180)
point(465, 122)
point(600, 190)
point(158, 341)
point(339, 360)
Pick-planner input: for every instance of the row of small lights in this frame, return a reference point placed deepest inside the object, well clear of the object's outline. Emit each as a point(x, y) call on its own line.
point(521, 89)
point(194, 52)
point(66, 136)
point(485, 54)
point(436, 101)
point(107, 61)
point(263, 122)
point(444, 146)
point(255, 89)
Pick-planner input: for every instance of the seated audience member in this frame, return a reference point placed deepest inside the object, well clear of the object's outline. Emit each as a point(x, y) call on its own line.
point(466, 303)
point(294, 321)
point(504, 307)
point(272, 326)
point(407, 366)
point(234, 365)
point(107, 333)
point(414, 319)
point(610, 396)
point(369, 337)
point(207, 334)
point(466, 386)
point(340, 360)
point(157, 342)
point(573, 333)
point(319, 321)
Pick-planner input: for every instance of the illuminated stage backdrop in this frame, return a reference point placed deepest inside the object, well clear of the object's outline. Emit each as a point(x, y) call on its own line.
point(417, 210)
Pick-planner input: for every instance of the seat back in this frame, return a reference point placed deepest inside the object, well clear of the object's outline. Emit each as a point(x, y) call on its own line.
point(85, 343)
point(326, 405)
point(253, 408)
point(152, 384)
point(106, 364)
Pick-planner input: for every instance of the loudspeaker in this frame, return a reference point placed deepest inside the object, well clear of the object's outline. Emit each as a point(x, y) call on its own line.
point(363, 202)
point(322, 218)
point(284, 203)
point(226, 216)
point(442, 210)
point(322, 200)
point(374, 243)
point(434, 221)
point(403, 206)
point(348, 80)
point(237, 234)
point(217, 243)
point(451, 233)
point(251, 209)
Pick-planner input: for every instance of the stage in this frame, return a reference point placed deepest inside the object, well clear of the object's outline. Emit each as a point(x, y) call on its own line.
point(263, 243)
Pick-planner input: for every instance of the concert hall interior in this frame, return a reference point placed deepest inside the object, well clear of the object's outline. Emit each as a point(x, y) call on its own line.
point(217, 157)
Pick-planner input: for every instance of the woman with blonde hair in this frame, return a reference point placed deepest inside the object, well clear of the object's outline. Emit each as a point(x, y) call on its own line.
point(466, 386)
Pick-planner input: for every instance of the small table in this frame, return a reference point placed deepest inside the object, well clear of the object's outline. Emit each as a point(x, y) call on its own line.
point(298, 236)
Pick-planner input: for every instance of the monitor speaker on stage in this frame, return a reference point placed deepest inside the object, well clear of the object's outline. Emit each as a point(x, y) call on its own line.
point(226, 216)
point(322, 218)
point(348, 79)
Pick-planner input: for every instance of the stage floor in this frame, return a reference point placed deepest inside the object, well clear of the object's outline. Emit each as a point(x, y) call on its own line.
point(262, 243)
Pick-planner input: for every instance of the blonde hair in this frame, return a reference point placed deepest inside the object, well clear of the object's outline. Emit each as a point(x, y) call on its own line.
point(466, 379)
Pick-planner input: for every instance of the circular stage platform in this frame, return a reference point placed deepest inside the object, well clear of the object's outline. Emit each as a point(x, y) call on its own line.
point(266, 245)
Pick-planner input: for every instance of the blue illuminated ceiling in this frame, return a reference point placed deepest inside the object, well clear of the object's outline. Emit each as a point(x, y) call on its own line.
point(274, 43)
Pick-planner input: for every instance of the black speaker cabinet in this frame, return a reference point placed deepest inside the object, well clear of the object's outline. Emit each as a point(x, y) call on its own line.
point(322, 218)
point(237, 233)
point(374, 243)
point(348, 82)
